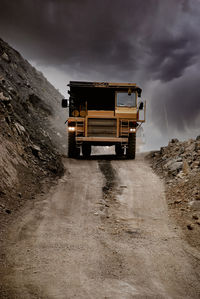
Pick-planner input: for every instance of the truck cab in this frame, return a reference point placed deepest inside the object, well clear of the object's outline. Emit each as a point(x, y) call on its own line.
point(103, 114)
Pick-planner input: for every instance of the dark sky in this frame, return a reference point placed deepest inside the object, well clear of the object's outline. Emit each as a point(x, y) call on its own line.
point(151, 42)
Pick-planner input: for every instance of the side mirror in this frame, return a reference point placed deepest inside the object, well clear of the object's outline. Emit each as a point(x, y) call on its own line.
point(141, 106)
point(139, 91)
point(64, 103)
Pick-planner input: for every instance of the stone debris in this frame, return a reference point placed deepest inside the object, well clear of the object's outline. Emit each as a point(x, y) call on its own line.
point(178, 201)
point(178, 160)
point(190, 226)
point(101, 228)
point(179, 164)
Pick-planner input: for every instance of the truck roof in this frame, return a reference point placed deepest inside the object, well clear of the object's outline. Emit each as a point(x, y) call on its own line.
point(79, 84)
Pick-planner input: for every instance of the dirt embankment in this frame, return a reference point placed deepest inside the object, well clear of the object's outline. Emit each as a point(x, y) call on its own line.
point(179, 164)
point(29, 144)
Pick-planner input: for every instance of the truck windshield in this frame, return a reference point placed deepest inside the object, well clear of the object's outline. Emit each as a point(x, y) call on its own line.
point(125, 100)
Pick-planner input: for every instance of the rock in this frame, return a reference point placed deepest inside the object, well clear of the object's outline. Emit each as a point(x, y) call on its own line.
point(164, 158)
point(2, 80)
point(194, 216)
point(179, 159)
point(190, 149)
point(35, 150)
point(181, 175)
point(196, 191)
point(162, 149)
point(20, 129)
point(12, 90)
point(190, 226)
point(5, 57)
point(101, 228)
point(177, 201)
point(173, 166)
point(8, 211)
point(198, 222)
point(96, 213)
point(186, 168)
point(181, 150)
point(198, 137)
point(197, 147)
point(174, 140)
point(3, 98)
point(195, 164)
point(8, 119)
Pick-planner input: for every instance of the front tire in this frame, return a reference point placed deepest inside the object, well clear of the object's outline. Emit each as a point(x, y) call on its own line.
point(73, 151)
point(119, 150)
point(130, 152)
point(86, 150)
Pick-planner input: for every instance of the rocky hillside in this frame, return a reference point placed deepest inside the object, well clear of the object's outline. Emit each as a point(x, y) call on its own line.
point(179, 164)
point(30, 136)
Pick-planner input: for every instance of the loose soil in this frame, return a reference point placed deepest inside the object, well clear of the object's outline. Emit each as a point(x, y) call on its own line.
point(102, 231)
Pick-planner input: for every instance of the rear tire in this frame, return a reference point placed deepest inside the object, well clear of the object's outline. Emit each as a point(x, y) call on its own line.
point(73, 151)
point(119, 150)
point(130, 152)
point(86, 150)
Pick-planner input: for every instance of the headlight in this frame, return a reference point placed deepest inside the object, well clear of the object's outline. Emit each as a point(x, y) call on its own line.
point(71, 129)
point(132, 130)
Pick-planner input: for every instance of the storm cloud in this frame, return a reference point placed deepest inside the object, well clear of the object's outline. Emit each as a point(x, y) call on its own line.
point(151, 42)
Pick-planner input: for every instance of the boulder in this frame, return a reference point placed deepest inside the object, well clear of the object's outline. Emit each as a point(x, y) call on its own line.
point(174, 165)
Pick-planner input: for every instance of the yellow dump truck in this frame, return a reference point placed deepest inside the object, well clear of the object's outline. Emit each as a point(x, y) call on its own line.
point(103, 114)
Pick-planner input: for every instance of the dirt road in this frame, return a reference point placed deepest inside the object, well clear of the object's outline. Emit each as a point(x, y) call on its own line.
point(102, 232)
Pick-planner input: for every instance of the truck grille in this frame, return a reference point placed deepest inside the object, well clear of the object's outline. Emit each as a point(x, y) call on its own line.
point(98, 127)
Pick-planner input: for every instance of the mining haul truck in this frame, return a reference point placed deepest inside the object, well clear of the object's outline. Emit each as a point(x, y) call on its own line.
point(103, 114)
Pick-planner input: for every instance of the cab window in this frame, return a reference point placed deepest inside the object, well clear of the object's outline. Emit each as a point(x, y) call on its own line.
point(126, 100)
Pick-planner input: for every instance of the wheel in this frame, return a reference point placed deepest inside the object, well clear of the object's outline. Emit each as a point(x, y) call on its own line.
point(73, 151)
point(119, 150)
point(86, 150)
point(130, 152)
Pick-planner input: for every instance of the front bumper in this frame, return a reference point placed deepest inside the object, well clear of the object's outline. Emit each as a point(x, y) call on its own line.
point(102, 139)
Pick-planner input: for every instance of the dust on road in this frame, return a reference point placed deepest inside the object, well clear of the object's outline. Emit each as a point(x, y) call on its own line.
point(102, 232)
